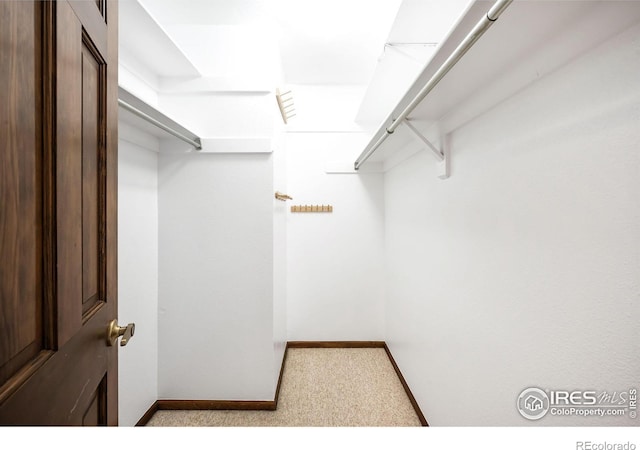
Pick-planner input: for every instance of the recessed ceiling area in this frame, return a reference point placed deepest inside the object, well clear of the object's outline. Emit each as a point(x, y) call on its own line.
point(376, 48)
point(305, 42)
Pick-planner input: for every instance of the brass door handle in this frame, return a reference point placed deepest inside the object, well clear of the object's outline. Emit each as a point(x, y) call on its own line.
point(114, 332)
point(282, 197)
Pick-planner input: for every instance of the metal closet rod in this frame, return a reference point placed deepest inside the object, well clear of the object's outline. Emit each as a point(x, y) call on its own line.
point(157, 123)
point(468, 42)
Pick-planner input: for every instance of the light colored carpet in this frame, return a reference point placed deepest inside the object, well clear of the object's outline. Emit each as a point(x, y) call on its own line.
point(346, 387)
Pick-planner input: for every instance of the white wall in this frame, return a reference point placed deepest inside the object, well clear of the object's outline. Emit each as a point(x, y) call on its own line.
point(335, 278)
point(522, 268)
point(324, 109)
point(216, 277)
point(224, 278)
point(210, 114)
point(279, 257)
point(137, 279)
point(335, 261)
point(279, 245)
point(222, 268)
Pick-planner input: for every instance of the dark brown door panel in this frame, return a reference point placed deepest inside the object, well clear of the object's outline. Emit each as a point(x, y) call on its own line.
point(58, 204)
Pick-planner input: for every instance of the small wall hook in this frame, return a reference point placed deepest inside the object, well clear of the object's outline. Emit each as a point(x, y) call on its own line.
point(282, 197)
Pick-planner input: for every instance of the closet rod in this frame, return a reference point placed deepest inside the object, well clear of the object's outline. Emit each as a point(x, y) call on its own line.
point(468, 42)
point(196, 143)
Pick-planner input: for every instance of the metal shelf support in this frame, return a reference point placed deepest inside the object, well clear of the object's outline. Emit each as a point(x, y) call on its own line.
point(441, 155)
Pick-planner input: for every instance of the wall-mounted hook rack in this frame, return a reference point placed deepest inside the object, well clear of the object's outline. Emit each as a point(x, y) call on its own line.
point(311, 208)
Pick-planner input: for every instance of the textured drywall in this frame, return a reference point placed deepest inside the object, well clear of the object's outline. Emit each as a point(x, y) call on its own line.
point(522, 269)
point(137, 279)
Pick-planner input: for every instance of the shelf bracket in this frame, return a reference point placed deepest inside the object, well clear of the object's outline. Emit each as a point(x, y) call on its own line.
point(441, 155)
point(399, 47)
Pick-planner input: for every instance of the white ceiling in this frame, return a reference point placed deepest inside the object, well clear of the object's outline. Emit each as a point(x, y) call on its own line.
point(319, 42)
point(334, 54)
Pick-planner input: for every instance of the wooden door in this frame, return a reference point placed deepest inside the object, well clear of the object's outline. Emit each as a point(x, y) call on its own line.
point(58, 186)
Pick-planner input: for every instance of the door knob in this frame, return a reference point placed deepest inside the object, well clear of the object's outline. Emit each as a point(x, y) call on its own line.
point(114, 332)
